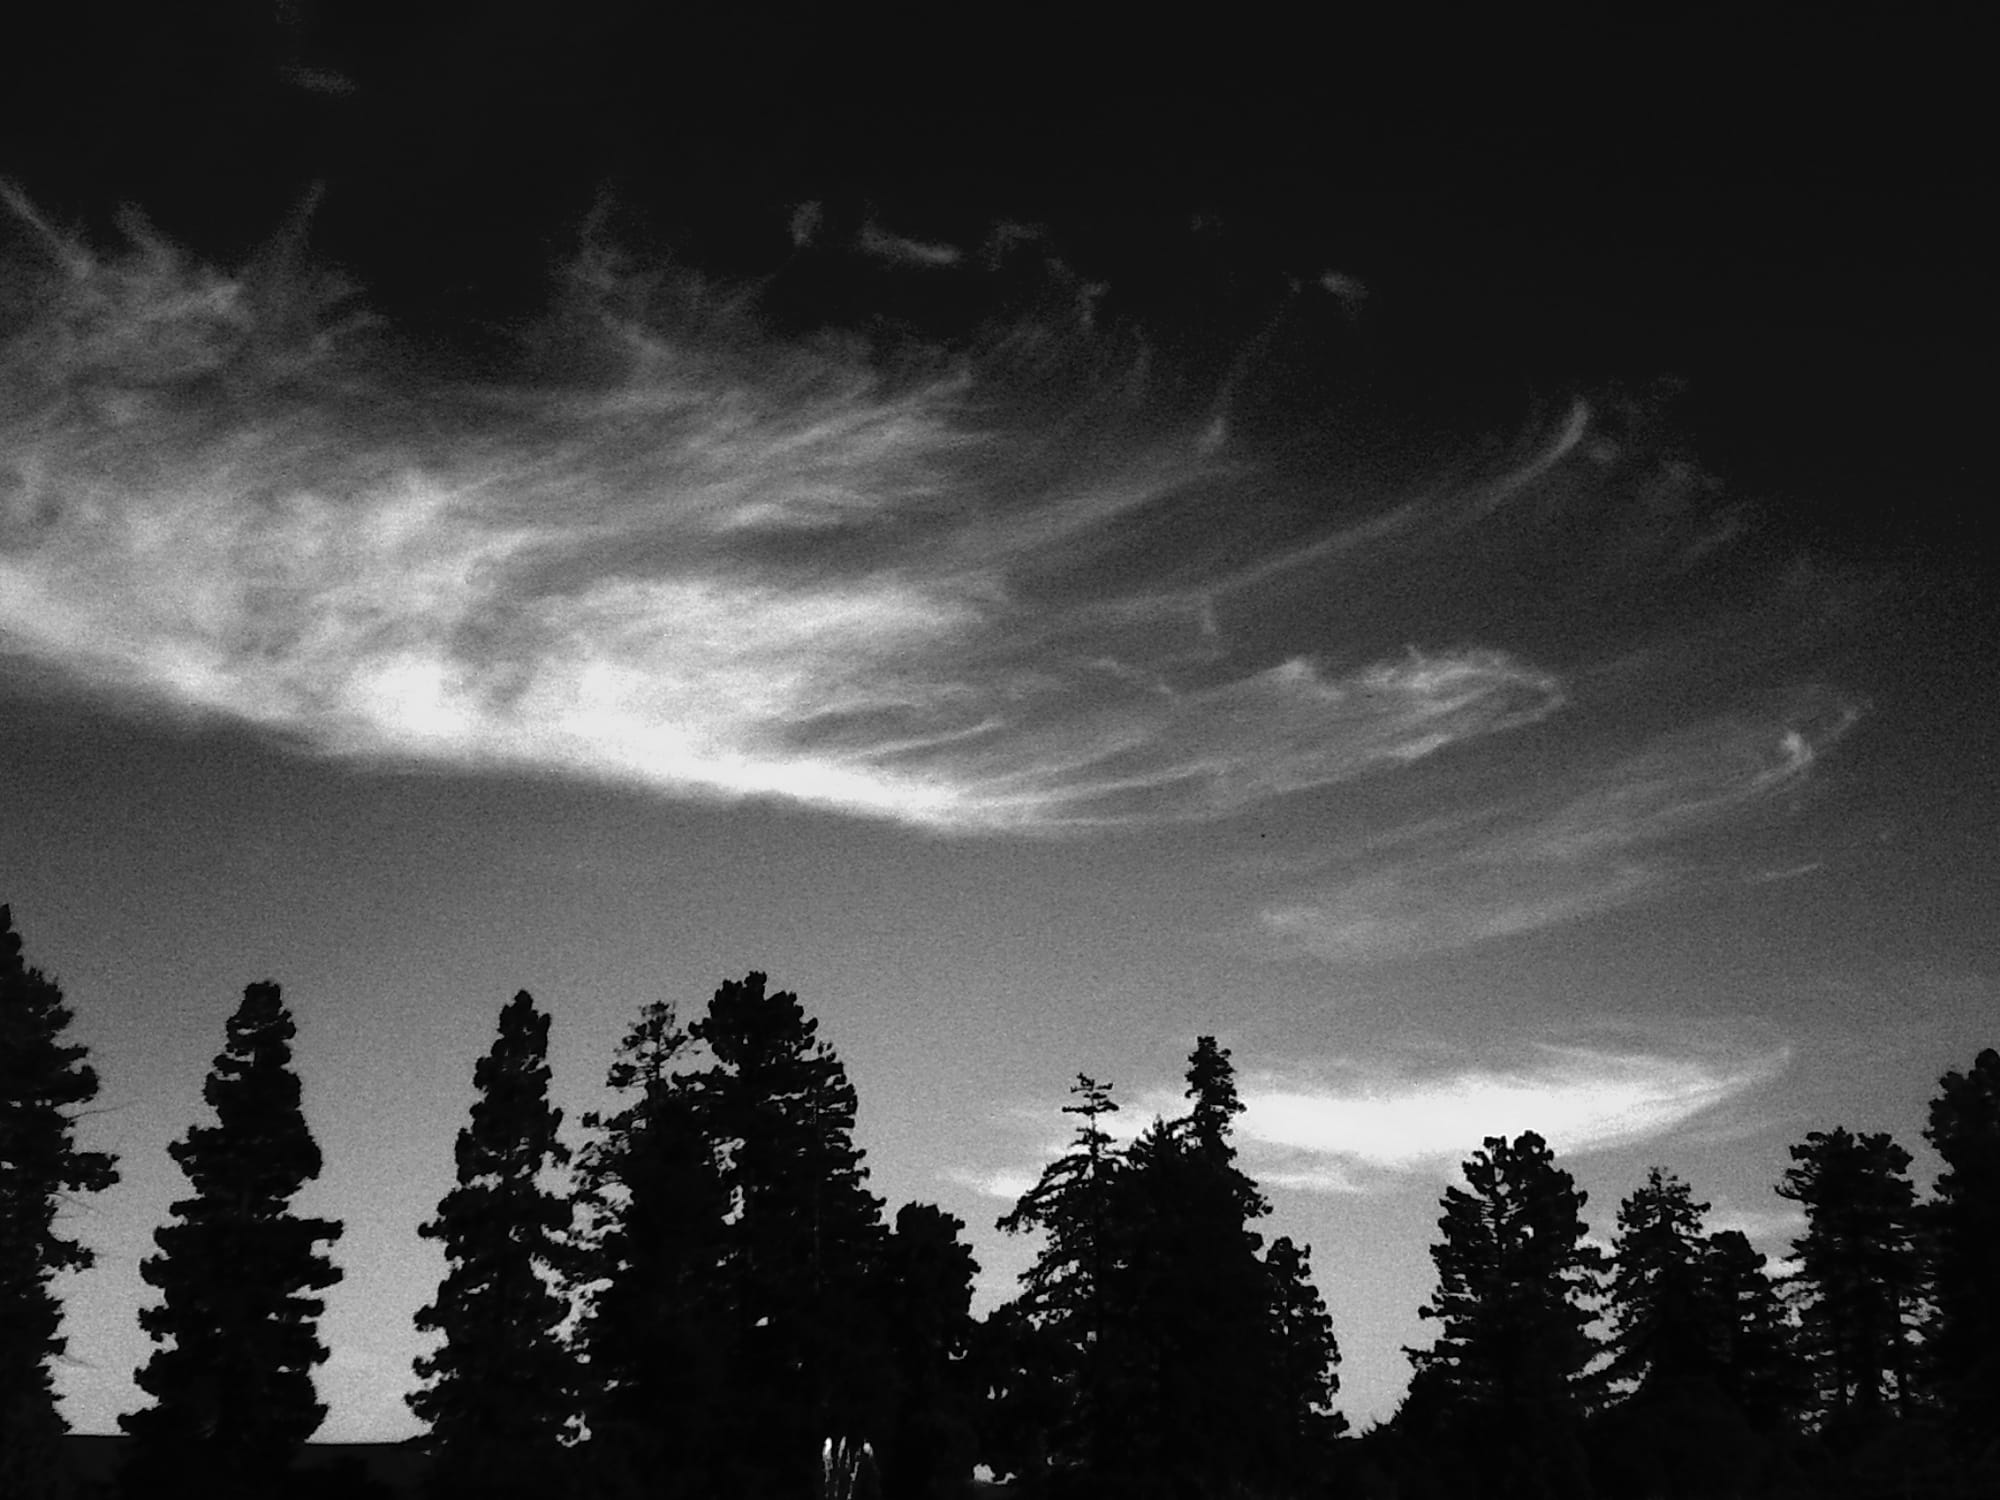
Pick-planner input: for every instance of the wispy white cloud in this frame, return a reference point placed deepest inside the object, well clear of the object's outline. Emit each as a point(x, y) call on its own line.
point(1770, 1228)
point(717, 567)
point(1603, 837)
point(1006, 1185)
point(1577, 1098)
point(1357, 1126)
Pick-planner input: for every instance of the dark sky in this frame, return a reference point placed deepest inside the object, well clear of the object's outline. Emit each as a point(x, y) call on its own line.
point(1459, 563)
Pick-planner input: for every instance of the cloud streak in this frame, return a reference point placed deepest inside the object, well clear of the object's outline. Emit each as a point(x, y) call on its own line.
point(1603, 838)
point(1580, 1099)
point(697, 559)
point(1357, 1126)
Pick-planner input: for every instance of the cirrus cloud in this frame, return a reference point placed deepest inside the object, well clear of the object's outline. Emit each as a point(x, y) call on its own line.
point(1356, 1125)
point(714, 564)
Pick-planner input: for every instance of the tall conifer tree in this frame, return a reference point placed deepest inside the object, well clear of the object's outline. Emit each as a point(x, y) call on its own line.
point(658, 1326)
point(1760, 1370)
point(1859, 1267)
point(43, 1080)
point(1964, 1221)
point(927, 1279)
point(1668, 1331)
point(1066, 1293)
point(498, 1392)
point(1510, 1372)
point(804, 1247)
point(1308, 1362)
point(231, 1378)
point(1196, 1351)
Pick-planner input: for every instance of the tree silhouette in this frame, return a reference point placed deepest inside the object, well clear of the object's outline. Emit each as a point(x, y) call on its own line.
point(1964, 1223)
point(1306, 1425)
point(231, 1380)
point(1196, 1362)
point(1509, 1374)
point(1859, 1269)
point(927, 1278)
point(1668, 1329)
point(1159, 1348)
point(1759, 1369)
point(1065, 1293)
point(42, 1080)
point(804, 1247)
point(497, 1394)
point(657, 1330)
point(1025, 1377)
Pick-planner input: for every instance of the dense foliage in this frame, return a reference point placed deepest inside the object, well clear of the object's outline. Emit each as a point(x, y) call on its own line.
point(236, 1324)
point(1172, 1351)
point(1510, 1375)
point(496, 1392)
point(708, 1301)
point(43, 1081)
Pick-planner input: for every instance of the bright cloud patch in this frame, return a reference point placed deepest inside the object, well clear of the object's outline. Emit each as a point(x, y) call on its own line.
point(1340, 1130)
point(1578, 1099)
point(712, 564)
point(1045, 579)
point(1007, 1186)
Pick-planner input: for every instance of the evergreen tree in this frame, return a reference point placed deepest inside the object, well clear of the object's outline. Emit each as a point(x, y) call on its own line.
point(497, 1394)
point(1196, 1353)
point(231, 1380)
point(927, 1279)
point(1667, 1324)
point(656, 1326)
point(804, 1247)
point(1188, 1360)
point(1308, 1363)
point(1065, 1293)
point(1759, 1369)
point(42, 1080)
point(1964, 1224)
point(1025, 1378)
point(1509, 1376)
point(1859, 1269)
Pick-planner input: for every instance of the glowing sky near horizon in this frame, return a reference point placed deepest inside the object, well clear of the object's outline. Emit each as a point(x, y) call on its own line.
point(1031, 701)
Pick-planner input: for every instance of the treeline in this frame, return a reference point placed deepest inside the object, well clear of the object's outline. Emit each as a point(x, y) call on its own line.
point(1679, 1365)
point(705, 1299)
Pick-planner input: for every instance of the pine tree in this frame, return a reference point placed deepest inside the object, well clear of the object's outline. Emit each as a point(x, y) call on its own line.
point(1065, 1294)
point(231, 1380)
point(497, 1393)
point(1510, 1372)
point(1964, 1224)
point(927, 1278)
point(804, 1248)
point(1309, 1360)
point(1197, 1363)
point(42, 1081)
point(1025, 1379)
point(1859, 1268)
point(1759, 1370)
point(1667, 1329)
point(656, 1335)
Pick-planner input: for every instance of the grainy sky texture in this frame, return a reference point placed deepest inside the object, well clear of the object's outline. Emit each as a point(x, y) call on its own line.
point(1469, 583)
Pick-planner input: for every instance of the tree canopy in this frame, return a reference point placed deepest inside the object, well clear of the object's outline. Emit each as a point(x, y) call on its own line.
point(236, 1324)
point(1517, 1289)
point(44, 1081)
point(498, 1391)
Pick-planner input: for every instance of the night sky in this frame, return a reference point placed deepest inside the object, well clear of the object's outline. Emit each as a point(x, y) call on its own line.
point(1459, 565)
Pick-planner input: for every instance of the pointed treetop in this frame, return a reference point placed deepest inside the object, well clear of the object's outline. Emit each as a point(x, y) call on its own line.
point(1211, 1084)
point(649, 1047)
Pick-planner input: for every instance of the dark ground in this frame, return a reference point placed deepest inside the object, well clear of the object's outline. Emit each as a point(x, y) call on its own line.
point(94, 1461)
